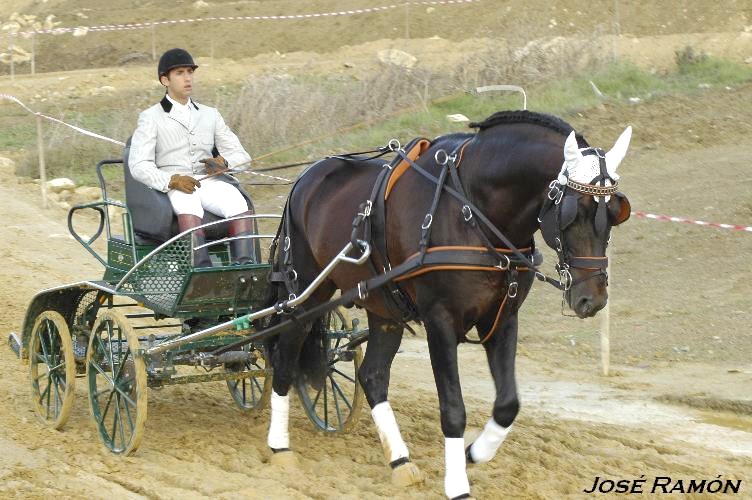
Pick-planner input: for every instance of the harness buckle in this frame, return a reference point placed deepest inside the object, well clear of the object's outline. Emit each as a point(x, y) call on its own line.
point(292, 275)
point(555, 193)
point(366, 209)
point(504, 266)
point(427, 221)
point(512, 286)
point(362, 292)
point(566, 277)
point(559, 246)
point(286, 248)
point(441, 154)
point(467, 213)
point(394, 145)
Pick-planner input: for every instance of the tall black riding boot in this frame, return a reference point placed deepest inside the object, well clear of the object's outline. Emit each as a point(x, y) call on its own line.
point(242, 250)
point(201, 256)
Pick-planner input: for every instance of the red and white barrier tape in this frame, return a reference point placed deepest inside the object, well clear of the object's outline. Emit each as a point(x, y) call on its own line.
point(669, 218)
point(138, 26)
point(50, 118)
point(105, 138)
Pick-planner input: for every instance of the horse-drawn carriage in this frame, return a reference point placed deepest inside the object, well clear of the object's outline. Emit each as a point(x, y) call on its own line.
point(442, 234)
point(154, 313)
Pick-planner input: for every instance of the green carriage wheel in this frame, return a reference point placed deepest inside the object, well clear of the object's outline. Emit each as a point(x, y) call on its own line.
point(252, 393)
point(117, 382)
point(335, 406)
point(52, 368)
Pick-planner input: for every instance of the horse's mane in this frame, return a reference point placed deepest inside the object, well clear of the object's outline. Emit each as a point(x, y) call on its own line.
point(523, 116)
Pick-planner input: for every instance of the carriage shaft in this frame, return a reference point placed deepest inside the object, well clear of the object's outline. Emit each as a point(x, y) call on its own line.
point(286, 305)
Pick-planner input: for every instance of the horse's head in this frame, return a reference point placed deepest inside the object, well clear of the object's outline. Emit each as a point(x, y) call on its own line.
point(580, 208)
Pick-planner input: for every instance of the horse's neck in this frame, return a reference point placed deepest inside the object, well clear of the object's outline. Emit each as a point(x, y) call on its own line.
point(509, 188)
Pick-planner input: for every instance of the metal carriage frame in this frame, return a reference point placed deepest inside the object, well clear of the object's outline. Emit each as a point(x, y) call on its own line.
point(150, 314)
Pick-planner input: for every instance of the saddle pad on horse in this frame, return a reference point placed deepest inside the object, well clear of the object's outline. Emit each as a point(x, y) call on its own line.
point(415, 148)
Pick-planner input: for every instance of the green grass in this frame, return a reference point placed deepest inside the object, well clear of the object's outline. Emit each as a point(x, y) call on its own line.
point(72, 155)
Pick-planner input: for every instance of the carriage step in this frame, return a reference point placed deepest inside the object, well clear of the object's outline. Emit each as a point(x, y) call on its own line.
point(15, 343)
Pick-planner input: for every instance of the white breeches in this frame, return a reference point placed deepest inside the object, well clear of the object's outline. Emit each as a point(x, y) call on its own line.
point(214, 195)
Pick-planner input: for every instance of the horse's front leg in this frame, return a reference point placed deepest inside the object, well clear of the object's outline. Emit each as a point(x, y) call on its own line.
point(442, 327)
point(384, 340)
point(500, 350)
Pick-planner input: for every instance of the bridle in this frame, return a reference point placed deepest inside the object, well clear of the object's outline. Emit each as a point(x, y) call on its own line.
point(559, 211)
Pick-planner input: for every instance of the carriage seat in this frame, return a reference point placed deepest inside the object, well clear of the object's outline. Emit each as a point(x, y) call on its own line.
point(152, 217)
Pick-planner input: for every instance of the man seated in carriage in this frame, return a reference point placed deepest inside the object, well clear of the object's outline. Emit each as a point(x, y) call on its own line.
point(171, 152)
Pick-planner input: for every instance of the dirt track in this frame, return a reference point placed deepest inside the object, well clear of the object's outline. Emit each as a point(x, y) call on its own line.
point(680, 310)
point(574, 424)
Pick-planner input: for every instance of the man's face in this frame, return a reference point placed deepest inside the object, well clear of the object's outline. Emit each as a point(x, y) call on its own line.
point(179, 82)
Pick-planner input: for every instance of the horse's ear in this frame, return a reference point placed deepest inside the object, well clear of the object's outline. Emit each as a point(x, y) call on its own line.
point(617, 153)
point(571, 151)
point(619, 209)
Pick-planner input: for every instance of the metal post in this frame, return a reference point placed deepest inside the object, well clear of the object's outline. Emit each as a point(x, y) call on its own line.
point(42, 168)
point(407, 21)
point(606, 322)
point(617, 29)
point(33, 53)
point(11, 49)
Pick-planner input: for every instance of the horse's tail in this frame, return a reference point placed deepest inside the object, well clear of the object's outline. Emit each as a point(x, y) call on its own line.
point(313, 361)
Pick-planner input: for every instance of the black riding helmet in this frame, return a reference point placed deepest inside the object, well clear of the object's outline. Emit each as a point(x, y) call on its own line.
point(174, 58)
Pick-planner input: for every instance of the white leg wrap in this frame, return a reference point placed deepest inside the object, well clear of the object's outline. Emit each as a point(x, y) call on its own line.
point(455, 477)
point(484, 448)
point(391, 439)
point(279, 436)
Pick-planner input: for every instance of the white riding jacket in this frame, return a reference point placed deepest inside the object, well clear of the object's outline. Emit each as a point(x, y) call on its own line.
point(165, 143)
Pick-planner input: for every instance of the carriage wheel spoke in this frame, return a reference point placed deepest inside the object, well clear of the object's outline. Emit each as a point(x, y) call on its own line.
point(128, 413)
point(336, 404)
point(122, 394)
point(58, 399)
point(326, 407)
point(46, 391)
point(57, 366)
point(106, 408)
point(119, 418)
point(348, 377)
point(103, 373)
point(336, 386)
point(44, 349)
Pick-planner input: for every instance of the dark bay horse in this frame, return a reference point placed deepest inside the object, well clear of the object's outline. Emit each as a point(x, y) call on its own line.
point(525, 171)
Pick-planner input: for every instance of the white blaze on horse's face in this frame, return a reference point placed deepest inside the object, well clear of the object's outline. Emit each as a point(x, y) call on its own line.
point(584, 169)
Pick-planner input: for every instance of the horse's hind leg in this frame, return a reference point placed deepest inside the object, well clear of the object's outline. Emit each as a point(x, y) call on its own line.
point(285, 354)
point(383, 341)
point(500, 350)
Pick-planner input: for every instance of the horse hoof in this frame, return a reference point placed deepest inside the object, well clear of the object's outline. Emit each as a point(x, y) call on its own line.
point(284, 458)
point(407, 474)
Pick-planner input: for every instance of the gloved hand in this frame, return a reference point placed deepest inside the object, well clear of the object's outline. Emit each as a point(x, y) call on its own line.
point(214, 165)
point(184, 183)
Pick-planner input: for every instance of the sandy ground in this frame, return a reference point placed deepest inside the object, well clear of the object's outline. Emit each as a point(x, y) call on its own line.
point(676, 404)
point(574, 425)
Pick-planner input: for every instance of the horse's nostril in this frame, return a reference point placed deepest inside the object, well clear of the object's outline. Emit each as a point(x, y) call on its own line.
point(584, 305)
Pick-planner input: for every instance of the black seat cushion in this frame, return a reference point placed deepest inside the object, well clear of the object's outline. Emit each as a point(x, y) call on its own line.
point(151, 212)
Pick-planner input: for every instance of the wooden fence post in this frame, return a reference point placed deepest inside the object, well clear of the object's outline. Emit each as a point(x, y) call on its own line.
point(42, 167)
point(605, 328)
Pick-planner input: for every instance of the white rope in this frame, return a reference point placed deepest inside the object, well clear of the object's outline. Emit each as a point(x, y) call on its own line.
point(50, 118)
point(137, 26)
point(109, 139)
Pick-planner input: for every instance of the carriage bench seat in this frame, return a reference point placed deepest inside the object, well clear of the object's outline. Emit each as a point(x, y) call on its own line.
point(152, 217)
